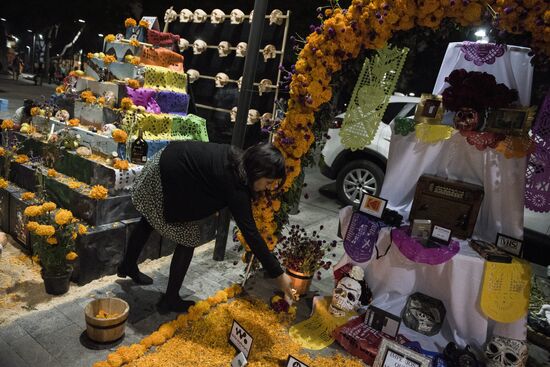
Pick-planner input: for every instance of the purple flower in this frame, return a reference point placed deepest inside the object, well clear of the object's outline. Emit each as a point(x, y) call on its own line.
point(331, 32)
point(452, 2)
point(508, 10)
point(312, 28)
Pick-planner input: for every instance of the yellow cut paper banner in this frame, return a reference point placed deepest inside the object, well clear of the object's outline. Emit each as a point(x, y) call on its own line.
point(315, 333)
point(505, 290)
point(428, 133)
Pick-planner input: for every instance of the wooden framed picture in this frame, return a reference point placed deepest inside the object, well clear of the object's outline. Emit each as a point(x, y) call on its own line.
point(372, 205)
point(509, 244)
point(510, 121)
point(391, 354)
point(430, 109)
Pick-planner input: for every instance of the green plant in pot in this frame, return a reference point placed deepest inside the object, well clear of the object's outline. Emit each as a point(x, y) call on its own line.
point(54, 232)
point(303, 255)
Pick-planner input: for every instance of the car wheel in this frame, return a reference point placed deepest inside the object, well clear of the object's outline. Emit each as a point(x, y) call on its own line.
point(356, 178)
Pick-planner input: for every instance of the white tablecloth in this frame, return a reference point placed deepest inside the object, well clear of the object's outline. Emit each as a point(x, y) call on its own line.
point(457, 283)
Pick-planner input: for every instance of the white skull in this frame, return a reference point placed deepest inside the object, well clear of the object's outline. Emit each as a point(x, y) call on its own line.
point(505, 352)
point(186, 16)
point(345, 297)
point(545, 311)
point(276, 17)
point(237, 16)
point(224, 48)
point(269, 52)
point(62, 115)
point(264, 86)
point(119, 37)
point(217, 16)
point(108, 129)
point(170, 15)
point(233, 114)
point(241, 49)
point(221, 80)
point(193, 75)
point(251, 16)
point(266, 119)
point(199, 16)
point(240, 83)
point(183, 44)
point(253, 117)
point(199, 46)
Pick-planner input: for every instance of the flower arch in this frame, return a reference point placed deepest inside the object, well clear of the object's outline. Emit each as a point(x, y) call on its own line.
point(370, 24)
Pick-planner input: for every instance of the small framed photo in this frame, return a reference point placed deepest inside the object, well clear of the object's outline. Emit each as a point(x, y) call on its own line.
point(510, 121)
point(382, 321)
point(392, 354)
point(509, 244)
point(430, 109)
point(440, 235)
point(372, 205)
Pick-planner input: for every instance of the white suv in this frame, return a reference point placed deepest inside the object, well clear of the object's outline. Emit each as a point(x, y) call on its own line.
point(362, 170)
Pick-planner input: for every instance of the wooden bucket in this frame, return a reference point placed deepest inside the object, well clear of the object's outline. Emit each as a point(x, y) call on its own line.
point(106, 330)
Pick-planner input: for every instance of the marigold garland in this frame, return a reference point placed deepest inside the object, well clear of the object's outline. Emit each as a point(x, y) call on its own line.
point(52, 173)
point(134, 42)
point(98, 192)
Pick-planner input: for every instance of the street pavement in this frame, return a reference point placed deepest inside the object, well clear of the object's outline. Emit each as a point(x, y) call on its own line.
point(17, 91)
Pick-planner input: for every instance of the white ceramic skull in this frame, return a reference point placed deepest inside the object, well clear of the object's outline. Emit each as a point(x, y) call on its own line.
point(62, 115)
point(505, 352)
point(345, 297)
point(264, 86)
point(186, 16)
point(224, 48)
point(199, 16)
point(108, 129)
point(253, 117)
point(199, 46)
point(233, 114)
point(276, 17)
point(251, 16)
point(269, 52)
point(217, 16)
point(237, 16)
point(545, 311)
point(221, 80)
point(241, 49)
point(193, 75)
point(119, 37)
point(170, 15)
point(183, 44)
point(240, 83)
point(266, 119)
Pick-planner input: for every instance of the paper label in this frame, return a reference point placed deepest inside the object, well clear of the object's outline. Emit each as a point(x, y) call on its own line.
point(240, 338)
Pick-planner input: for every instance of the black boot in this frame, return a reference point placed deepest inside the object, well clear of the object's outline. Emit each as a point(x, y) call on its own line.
point(171, 300)
point(128, 267)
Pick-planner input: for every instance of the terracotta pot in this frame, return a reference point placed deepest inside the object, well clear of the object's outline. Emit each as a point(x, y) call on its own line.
point(467, 119)
point(57, 284)
point(299, 281)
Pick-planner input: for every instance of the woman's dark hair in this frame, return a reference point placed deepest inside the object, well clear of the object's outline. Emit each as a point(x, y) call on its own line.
point(260, 160)
point(27, 105)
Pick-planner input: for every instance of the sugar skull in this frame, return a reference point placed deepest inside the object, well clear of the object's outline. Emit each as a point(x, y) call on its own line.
point(253, 117)
point(264, 86)
point(345, 297)
point(266, 119)
point(221, 80)
point(183, 44)
point(241, 49)
point(170, 15)
point(466, 119)
point(199, 46)
point(199, 16)
point(62, 115)
point(217, 16)
point(233, 114)
point(119, 37)
point(251, 16)
point(186, 16)
point(269, 52)
point(108, 129)
point(237, 16)
point(224, 48)
point(240, 83)
point(505, 352)
point(424, 314)
point(276, 17)
point(193, 75)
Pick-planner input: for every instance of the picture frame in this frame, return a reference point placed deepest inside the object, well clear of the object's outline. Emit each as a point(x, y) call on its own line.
point(510, 245)
point(372, 205)
point(382, 321)
point(430, 109)
point(392, 354)
point(510, 121)
point(441, 235)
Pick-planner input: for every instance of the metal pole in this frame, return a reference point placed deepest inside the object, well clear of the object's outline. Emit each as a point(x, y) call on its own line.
point(32, 56)
point(239, 130)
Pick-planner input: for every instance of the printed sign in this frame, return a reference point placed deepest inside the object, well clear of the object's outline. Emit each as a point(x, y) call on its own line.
point(509, 244)
point(391, 354)
point(240, 338)
point(441, 235)
point(373, 205)
point(239, 360)
point(293, 362)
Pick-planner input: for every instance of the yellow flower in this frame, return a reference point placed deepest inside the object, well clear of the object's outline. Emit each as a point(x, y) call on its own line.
point(143, 23)
point(90, 100)
point(3, 183)
point(90, 55)
point(134, 42)
point(135, 60)
point(36, 259)
point(52, 172)
point(35, 111)
point(130, 22)
point(21, 158)
point(71, 256)
point(98, 192)
point(33, 211)
point(132, 83)
point(49, 206)
point(2, 152)
point(32, 226)
point(74, 236)
point(45, 230)
point(119, 135)
point(63, 217)
point(27, 196)
point(82, 229)
point(86, 94)
point(52, 240)
point(110, 38)
point(167, 330)
point(126, 103)
point(108, 59)
point(59, 89)
point(7, 124)
point(121, 164)
point(74, 122)
point(75, 184)
point(101, 100)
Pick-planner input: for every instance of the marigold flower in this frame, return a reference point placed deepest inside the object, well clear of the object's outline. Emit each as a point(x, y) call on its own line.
point(101, 100)
point(74, 235)
point(2, 152)
point(33, 211)
point(108, 59)
point(119, 135)
point(121, 164)
point(52, 172)
point(27, 196)
point(75, 184)
point(52, 241)
point(90, 55)
point(101, 364)
point(71, 256)
point(21, 159)
point(110, 38)
point(98, 192)
point(157, 338)
point(45, 230)
point(82, 229)
point(7, 124)
point(74, 122)
point(32, 226)
point(59, 89)
point(130, 22)
point(63, 216)
point(91, 100)
point(135, 60)
point(35, 111)
point(167, 330)
point(143, 23)
point(49, 206)
point(86, 94)
point(134, 42)
point(126, 103)
point(4, 183)
point(36, 259)
point(132, 83)
point(115, 360)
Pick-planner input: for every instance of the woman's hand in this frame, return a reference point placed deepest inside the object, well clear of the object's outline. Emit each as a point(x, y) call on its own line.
point(283, 282)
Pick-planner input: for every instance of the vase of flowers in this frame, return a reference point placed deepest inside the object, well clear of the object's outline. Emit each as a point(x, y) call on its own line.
point(53, 235)
point(303, 255)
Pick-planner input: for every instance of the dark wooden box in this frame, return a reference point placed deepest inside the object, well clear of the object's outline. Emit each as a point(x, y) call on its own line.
point(447, 203)
point(17, 221)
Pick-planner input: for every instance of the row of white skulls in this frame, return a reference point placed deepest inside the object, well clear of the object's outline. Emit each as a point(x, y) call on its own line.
point(252, 117)
point(222, 79)
point(217, 16)
point(224, 48)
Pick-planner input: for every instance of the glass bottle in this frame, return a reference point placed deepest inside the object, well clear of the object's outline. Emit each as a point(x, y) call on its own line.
point(139, 149)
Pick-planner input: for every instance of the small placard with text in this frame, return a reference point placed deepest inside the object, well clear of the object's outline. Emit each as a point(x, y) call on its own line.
point(240, 338)
point(293, 362)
